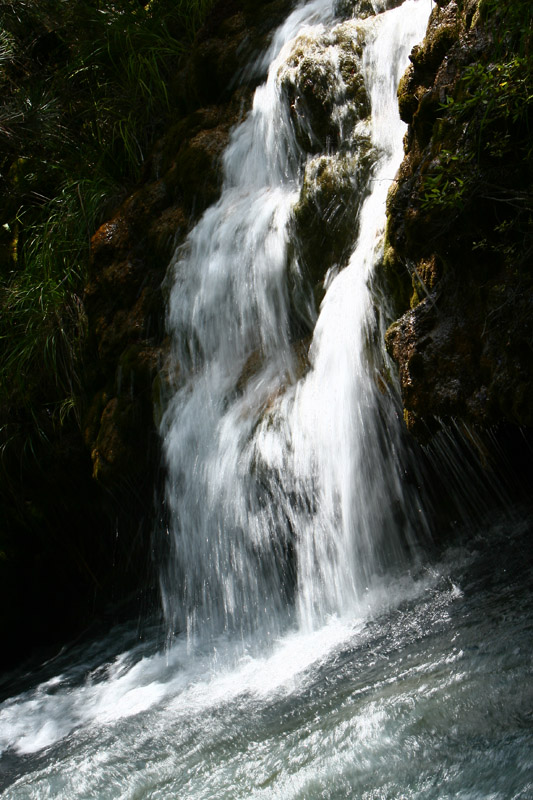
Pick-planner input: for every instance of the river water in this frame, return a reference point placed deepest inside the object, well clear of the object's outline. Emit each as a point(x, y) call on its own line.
point(427, 696)
point(317, 642)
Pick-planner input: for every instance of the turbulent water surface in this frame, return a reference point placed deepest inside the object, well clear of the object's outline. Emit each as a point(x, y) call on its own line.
point(314, 646)
point(428, 695)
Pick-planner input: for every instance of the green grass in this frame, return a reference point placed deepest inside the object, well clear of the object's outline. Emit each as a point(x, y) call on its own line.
point(85, 91)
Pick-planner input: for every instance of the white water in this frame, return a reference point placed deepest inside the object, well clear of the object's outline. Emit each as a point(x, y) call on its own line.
point(429, 698)
point(269, 474)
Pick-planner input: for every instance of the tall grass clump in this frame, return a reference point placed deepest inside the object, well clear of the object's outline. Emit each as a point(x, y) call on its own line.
point(84, 90)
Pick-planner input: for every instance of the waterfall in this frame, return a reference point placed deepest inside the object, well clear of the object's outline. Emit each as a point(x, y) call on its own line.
point(305, 666)
point(284, 476)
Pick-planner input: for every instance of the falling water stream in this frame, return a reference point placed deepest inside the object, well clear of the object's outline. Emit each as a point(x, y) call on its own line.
point(314, 648)
point(281, 463)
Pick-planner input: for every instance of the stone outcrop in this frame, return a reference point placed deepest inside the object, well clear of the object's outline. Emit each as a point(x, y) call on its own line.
point(328, 107)
point(458, 261)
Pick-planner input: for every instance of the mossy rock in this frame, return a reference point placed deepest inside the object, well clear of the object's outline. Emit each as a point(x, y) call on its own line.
point(118, 453)
point(91, 421)
point(359, 9)
point(436, 44)
point(407, 97)
point(177, 135)
point(166, 231)
point(138, 365)
point(307, 88)
point(196, 174)
point(325, 218)
point(393, 281)
point(216, 63)
point(324, 87)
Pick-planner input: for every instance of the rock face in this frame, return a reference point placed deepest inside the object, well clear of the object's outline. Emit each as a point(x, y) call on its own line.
point(124, 299)
point(326, 100)
point(458, 264)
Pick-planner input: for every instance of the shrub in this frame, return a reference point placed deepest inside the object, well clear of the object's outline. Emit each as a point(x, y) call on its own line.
point(490, 115)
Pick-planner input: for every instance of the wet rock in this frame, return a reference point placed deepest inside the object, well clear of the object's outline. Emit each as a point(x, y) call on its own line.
point(325, 94)
point(296, 369)
point(455, 362)
point(235, 32)
point(324, 88)
point(325, 217)
point(216, 60)
point(455, 251)
point(361, 9)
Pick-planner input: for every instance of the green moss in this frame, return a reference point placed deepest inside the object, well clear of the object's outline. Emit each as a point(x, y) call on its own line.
point(325, 216)
point(407, 100)
point(310, 83)
point(355, 87)
point(394, 281)
point(197, 176)
point(440, 43)
point(359, 9)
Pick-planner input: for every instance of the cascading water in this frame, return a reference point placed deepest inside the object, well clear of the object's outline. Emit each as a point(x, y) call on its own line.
point(302, 664)
point(228, 303)
point(268, 474)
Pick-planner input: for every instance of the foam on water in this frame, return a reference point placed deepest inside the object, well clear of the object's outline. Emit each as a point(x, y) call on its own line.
point(176, 682)
point(427, 696)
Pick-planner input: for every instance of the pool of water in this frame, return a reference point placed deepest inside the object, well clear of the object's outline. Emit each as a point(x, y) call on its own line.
point(427, 693)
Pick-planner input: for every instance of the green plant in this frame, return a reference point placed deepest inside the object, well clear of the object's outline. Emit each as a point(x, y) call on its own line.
point(496, 98)
point(490, 115)
point(445, 184)
point(85, 91)
point(511, 22)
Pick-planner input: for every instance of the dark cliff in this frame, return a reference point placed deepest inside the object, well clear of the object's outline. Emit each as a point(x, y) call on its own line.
point(460, 224)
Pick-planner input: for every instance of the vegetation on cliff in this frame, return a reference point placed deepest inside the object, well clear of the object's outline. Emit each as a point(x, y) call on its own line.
point(85, 89)
point(461, 218)
point(489, 114)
